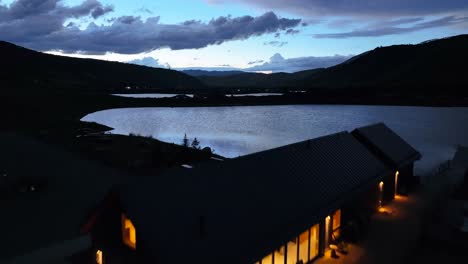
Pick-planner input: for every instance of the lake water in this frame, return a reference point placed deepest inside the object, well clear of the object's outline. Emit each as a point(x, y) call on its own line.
point(235, 131)
point(150, 95)
point(162, 95)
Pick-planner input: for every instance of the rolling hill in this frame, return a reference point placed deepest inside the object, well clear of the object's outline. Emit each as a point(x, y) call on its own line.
point(28, 71)
point(436, 67)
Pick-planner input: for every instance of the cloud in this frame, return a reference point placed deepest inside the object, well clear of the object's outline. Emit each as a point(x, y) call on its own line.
point(275, 43)
point(396, 27)
point(360, 7)
point(149, 61)
point(278, 63)
point(255, 62)
point(39, 24)
point(292, 31)
point(144, 10)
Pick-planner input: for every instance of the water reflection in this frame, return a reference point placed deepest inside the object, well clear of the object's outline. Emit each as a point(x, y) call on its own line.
point(234, 131)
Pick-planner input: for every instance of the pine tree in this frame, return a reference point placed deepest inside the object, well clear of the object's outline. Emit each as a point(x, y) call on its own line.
point(185, 142)
point(195, 143)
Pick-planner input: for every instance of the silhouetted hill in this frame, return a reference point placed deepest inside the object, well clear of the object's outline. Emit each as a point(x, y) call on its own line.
point(259, 80)
point(433, 67)
point(210, 73)
point(25, 70)
point(436, 67)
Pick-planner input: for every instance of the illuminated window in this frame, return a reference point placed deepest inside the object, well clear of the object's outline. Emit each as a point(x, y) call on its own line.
point(292, 251)
point(314, 242)
point(336, 223)
point(304, 246)
point(268, 259)
point(99, 257)
point(128, 232)
point(279, 255)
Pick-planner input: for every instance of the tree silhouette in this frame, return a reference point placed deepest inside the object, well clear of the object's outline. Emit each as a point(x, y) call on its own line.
point(195, 143)
point(185, 141)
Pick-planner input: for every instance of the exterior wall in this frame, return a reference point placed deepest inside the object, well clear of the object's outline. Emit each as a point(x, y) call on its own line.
point(389, 189)
point(405, 180)
point(106, 234)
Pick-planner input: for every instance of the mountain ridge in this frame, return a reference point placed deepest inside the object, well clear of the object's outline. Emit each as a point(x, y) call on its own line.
point(25, 70)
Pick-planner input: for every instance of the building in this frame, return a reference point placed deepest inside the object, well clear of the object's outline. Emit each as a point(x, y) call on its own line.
point(41, 224)
point(285, 205)
point(394, 151)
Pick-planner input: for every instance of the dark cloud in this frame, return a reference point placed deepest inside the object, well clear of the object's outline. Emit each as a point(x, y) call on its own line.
point(361, 7)
point(128, 19)
point(39, 24)
point(275, 43)
point(101, 10)
point(279, 64)
point(396, 27)
point(292, 31)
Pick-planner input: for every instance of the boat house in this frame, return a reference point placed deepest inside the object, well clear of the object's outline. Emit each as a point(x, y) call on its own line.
point(286, 205)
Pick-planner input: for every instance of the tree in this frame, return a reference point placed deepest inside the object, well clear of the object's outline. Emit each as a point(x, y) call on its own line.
point(195, 143)
point(185, 142)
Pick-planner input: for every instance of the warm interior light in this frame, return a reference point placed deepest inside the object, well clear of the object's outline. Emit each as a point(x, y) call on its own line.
point(99, 257)
point(128, 232)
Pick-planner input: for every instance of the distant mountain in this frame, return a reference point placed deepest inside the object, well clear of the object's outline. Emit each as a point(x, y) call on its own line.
point(258, 80)
point(434, 67)
point(197, 73)
point(25, 70)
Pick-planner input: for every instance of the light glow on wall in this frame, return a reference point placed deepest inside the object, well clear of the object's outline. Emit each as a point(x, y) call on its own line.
point(396, 182)
point(381, 187)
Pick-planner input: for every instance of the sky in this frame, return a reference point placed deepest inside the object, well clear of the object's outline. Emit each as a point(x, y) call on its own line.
point(252, 35)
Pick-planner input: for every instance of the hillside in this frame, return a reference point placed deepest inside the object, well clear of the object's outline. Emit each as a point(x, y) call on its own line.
point(436, 67)
point(27, 71)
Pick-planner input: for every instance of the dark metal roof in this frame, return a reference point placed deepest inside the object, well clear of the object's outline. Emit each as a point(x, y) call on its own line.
point(381, 138)
point(236, 210)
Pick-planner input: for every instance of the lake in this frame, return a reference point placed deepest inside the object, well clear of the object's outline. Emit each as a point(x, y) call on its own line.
point(163, 95)
point(150, 95)
point(235, 131)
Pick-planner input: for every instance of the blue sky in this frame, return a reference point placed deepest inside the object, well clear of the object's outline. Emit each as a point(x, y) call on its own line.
point(225, 34)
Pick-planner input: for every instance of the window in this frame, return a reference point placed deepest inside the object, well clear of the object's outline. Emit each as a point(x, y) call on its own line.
point(279, 255)
point(314, 242)
point(268, 259)
point(336, 223)
point(304, 246)
point(99, 257)
point(128, 232)
point(292, 251)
